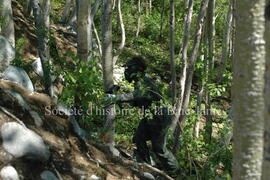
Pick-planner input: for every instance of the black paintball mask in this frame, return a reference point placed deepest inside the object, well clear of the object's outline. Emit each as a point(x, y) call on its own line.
point(134, 69)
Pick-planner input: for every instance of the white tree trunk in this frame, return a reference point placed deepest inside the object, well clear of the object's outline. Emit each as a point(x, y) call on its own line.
point(6, 23)
point(266, 157)
point(139, 18)
point(190, 72)
point(42, 23)
point(123, 33)
point(187, 20)
point(83, 29)
point(107, 64)
point(226, 43)
point(247, 90)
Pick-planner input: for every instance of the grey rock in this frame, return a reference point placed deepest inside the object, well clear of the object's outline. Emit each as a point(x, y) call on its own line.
point(78, 171)
point(37, 67)
point(7, 54)
point(148, 176)
point(36, 117)
point(18, 75)
point(48, 175)
point(22, 142)
point(9, 173)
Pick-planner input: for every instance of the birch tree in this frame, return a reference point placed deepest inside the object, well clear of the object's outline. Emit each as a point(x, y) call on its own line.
point(6, 21)
point(83, 29)
point(247, 90)
point(42, 23)
point(107, 65)
point(227, 36)
point(123, 33)
point(190, 72)
point(139, 18)
point(266, 157)
point(187, 20)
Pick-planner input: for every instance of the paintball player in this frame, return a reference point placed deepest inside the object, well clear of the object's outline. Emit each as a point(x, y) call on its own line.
point(153, 129)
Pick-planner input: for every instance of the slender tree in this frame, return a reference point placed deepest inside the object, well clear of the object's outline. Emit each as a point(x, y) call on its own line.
point(83, 29)
point(190, 72)
point(210, 66)
point(172, 48)
point(266, 159)
point(227, 36)
point(139, 18)
point(42, 23)
point(247, 90)
point(123, 33)
point(66, 11)
point(162, 20)
point(187, 20)
point(107, 65)
point(6, 21)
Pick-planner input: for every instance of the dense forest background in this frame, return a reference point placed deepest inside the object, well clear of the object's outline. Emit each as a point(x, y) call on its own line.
point(188, 46)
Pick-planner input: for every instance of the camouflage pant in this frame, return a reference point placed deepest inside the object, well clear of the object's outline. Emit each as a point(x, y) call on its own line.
point(157, 134)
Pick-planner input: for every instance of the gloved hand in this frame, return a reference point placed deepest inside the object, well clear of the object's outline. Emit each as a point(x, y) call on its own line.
point(113, 89)
point(110, 97)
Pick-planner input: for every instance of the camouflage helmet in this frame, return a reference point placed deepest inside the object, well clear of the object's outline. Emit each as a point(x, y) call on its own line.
point(136, 62)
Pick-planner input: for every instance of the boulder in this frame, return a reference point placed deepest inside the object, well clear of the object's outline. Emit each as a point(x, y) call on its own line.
point(148, 176)
point(22, 142)
point(18, 75)
point(9, 173)
point(7, 54)
point(48, 175)
point(37, 67)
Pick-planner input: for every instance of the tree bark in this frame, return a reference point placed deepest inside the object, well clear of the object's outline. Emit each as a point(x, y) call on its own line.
point(247, 90)
point(83, 29)
point(196, 127)
point(266, 156)
point(210, 67)
point(42, 23)
point(139, 18)
point(187, 19)
point(123, 33)
point(107, 64)
point(98, 39)
point(190, 72)
point(162, 20)
point(172, 54)
point(226, 43)
point(66, 11)
point(7, 24)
